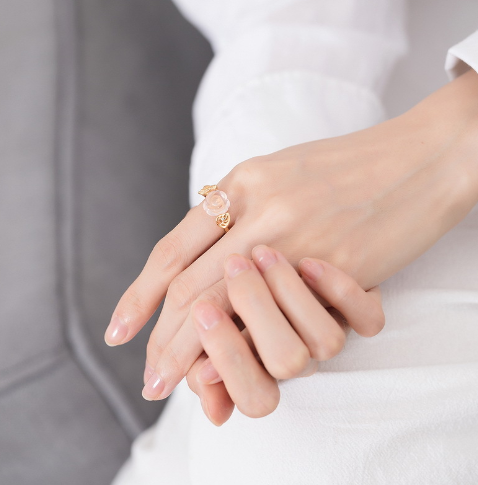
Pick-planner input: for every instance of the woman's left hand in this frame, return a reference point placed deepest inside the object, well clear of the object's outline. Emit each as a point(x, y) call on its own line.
point(287, 330)
point(369, 202)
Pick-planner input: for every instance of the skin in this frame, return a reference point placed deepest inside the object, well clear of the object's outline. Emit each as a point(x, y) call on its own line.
point(243, 368)
point(368, 203)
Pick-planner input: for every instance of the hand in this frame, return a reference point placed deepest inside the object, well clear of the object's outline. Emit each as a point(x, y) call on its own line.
point(287, 331)
point(369, 203)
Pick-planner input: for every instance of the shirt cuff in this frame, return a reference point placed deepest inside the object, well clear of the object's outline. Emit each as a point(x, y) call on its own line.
point(462, 57)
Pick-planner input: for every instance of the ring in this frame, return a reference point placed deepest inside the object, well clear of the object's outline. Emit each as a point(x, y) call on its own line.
point(216, 204)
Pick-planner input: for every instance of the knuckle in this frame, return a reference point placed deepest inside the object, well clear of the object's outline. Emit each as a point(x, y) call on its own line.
point(179, 293)
point(291, 366)
point(248, 298)
point(153, 351)
point(343, 292)
point(247, 183)
point(217, 294)
point(331, 345)
point(243, 296)
point(248, 171)
point(168, 254)
point(342, 257)
point(260, 404)
point(315, 347)
point(132, 303)
point(246, 177)
point(170, 361)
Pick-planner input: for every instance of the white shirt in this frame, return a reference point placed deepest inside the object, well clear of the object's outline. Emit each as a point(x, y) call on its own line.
point(400, 408)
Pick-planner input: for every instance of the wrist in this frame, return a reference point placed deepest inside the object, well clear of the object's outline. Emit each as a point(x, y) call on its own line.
point(447, 121)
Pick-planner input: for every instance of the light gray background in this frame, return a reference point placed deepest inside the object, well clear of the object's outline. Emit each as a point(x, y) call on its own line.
point(434, 26)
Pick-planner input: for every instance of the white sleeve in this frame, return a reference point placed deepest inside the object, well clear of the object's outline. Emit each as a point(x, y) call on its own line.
point(286, 72)
point(462, 56)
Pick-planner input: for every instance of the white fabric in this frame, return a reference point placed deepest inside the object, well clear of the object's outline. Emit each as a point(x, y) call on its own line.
point(400, 408)
point(462, 56)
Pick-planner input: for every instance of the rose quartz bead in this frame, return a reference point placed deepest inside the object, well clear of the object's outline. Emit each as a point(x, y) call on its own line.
point(216, 203)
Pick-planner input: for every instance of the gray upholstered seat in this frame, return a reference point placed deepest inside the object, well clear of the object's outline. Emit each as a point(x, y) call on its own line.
point(95, 102)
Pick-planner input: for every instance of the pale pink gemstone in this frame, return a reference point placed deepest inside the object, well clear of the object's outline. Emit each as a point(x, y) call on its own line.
point(216, 203)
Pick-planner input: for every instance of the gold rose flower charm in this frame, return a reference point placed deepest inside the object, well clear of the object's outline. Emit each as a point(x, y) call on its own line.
point(216, 204)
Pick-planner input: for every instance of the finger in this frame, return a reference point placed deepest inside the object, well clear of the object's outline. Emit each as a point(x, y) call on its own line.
point(376, 294)
point(177, 357)
point(362, 309)
point(340, 319)
point(283, 352)
point(250, 387)
point(187, 286)
point(207, 373)
point(216, 403)
point(215, 400)
point(174, 252)
point(312, 322)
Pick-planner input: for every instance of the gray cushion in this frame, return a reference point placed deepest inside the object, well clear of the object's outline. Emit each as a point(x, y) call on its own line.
point(59, 430)
point(95, 102)
point(140, 64)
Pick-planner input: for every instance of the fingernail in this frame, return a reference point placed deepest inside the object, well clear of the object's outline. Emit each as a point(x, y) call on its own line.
point(208, 374)
point(148, 372)
point(153, 388)
point(205, 408)
point(235, 264)
point(311, 268)
point(264, 257)
point(116, 332)
point(206, 314)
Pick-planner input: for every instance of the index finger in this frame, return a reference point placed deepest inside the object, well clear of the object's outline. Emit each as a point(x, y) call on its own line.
point(172, 254)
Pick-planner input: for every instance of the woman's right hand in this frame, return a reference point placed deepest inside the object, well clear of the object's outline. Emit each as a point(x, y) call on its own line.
point(287, 330)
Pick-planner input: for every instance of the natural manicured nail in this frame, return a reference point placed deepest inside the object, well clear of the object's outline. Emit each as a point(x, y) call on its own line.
point(148, 372)
point(153, 388)
point(206, 315)
point(264, 257)
point(205, 408)
point(235, 264)
point(116, 332)
point(207, 374)
point(311, 268)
